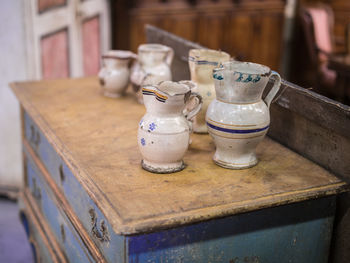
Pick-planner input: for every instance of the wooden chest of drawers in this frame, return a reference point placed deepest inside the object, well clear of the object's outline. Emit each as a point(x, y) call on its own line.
point(87, 199)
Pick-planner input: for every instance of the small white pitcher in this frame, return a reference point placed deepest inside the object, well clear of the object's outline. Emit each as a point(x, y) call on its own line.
point(114, 75)
point(239, 118)
point(152, 67)
point(201, 63)
point(164, 131)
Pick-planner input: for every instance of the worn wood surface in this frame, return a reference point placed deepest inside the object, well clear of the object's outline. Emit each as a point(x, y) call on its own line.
point(314, 126)
point(319, 129)
point(96, 136)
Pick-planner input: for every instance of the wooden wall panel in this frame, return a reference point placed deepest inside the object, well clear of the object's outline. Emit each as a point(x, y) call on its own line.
point(91, 46)
point(271, 35)
point(247, 29)
point(137, 35)
point(241, 28)
point(183, 25)
point(212, 28)
point(44, 5)
point(55, 55)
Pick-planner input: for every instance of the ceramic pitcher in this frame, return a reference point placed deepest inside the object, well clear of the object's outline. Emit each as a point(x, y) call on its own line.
point(239, 118)
point(114, 74)
point(152, 67)
point(164, 131)
point(201, 63)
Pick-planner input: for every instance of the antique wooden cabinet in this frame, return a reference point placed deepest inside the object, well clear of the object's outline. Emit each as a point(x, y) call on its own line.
point(87, 199)
point(251, 30)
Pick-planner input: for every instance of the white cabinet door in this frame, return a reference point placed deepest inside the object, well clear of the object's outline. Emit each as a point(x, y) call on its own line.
point(65, 38)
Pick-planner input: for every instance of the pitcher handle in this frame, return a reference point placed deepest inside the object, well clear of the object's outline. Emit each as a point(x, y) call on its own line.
point(101, 76)
point(275, 88)
point(190, 115)
point(133, 60)
point(169, 57)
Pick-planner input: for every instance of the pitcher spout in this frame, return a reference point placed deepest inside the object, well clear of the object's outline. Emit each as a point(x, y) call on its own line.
point(168, 97)
point(153, 92)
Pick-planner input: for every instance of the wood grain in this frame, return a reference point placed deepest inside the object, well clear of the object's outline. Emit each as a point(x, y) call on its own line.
point(249, 30)
point(96, 137)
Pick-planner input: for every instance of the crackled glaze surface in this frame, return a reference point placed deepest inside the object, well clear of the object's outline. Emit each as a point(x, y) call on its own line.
point(201, 63)
point(114, 75)
point(164, 131)
point(239, 118)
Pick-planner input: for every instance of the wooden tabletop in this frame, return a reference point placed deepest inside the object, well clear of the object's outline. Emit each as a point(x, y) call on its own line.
point(97, 137)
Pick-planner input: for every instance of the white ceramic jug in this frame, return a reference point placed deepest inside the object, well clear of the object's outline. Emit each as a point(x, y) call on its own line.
point(239, 118)
point(152, 67)
point(164, 131)
point(201, 63)
point(114, 74)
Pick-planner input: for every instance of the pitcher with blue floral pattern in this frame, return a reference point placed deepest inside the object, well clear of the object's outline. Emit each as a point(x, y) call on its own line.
point(164, 131)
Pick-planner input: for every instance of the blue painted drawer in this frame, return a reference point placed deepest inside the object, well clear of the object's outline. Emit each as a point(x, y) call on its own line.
point(95, 223)
point(295, 233)
point(40, 245)
point(66, 235)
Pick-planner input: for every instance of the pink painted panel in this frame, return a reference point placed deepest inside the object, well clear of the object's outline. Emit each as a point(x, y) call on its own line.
point(91, 46)
point(48, 4)
point(55, 55)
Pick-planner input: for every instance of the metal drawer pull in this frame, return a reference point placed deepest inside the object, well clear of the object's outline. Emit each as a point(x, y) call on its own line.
point(36, 191)
point(34, 247)
point(63, 233)
point(101, 233)
point(34, 137)
point(62, 176)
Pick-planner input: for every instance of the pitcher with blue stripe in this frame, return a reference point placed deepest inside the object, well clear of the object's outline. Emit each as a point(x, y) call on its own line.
point(239, 117)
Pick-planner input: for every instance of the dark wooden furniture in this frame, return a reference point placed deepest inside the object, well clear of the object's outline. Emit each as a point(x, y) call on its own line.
point(249, 30)
point(304, 70)
point(341, 65)
point(318, 21)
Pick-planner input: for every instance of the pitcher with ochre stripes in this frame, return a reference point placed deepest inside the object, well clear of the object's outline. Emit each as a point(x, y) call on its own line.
point(164, 131)
point(239, 117)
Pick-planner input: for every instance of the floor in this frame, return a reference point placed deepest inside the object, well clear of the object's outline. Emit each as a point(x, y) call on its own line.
point(14, 245)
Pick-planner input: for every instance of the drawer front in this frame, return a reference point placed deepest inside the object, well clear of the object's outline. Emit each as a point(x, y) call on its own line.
point(66, 235)
point(91, 217)
point(42, 250)
point(38, 243)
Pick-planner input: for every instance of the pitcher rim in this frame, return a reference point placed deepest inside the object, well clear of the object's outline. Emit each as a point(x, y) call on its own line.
point(209, 59)
point(148, 47)
point(166, 93)
point(266, 71)
point(119, 54)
